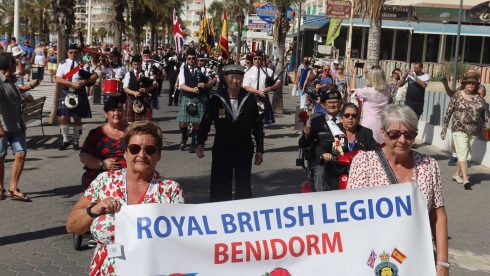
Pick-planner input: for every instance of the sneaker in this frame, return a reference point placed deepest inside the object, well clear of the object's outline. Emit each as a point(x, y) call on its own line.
point(467, 185)
point(457, 178)
point(76, 145)
point(64, 145)
point(453, 161)
point(191, 149)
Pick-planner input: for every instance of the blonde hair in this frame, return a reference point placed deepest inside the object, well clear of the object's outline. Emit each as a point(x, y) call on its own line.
point(144, 127)
point(376, 78)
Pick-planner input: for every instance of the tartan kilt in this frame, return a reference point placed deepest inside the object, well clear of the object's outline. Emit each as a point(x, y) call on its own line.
point(81, 111)
point(130, 116)
point(184, 117)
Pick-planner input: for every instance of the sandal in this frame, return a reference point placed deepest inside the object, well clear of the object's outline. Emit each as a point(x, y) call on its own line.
point(3, 194)
point(21, 197)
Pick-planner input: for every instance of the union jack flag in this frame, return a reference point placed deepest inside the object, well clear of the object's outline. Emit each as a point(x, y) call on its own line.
point(179, 36)
point(372, 259)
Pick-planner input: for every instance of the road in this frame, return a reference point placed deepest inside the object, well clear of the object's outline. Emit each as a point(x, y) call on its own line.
point(33, 239)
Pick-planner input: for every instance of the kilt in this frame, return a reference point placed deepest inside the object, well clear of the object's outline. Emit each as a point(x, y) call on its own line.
point(81, 111)
point(184, 117)
point(130, 116)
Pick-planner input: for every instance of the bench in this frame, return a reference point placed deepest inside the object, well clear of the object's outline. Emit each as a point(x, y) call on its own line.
point(33, 111)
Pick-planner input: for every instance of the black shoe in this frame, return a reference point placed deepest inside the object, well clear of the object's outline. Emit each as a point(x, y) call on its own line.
point(182, 144)
point(453, 161)
point(169, 104)
point(191, 149)
point(467, 185)
point(64, 145)
point(76, 145)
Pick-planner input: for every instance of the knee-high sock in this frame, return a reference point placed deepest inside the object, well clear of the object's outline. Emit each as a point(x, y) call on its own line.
point(64, 132)
point(76, 132)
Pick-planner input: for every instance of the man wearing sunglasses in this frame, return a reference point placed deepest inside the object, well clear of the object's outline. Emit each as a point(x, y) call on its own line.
point(254, 82)
point(192, 83)
point(72, 84)
point(236, 119)
point(318, 137)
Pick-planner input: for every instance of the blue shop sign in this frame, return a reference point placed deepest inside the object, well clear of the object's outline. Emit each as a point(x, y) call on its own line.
point(268, 11)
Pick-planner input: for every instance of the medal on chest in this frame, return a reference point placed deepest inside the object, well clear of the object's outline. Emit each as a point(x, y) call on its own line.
point(221, 113)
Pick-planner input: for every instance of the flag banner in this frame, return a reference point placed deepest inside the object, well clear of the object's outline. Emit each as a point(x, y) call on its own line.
point(223, 40)
point(369, 231)
point(205, 35)
point(179, 36)
point(333, 30)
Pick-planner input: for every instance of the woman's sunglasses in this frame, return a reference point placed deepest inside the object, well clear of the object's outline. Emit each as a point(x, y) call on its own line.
point(396, 134)
point(350, 115)
point(189, 58)
point(135, 149)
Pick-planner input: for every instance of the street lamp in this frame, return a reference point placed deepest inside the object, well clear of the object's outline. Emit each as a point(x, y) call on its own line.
point(445, 16)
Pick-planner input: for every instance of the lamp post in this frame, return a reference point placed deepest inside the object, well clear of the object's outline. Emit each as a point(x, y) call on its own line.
point(444, 19)
point(16, 19)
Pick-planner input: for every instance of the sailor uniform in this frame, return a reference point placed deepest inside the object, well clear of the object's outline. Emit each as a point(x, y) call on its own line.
point(83, 108)
point(235, 120)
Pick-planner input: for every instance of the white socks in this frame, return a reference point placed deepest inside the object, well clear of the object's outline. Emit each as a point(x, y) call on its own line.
point(64, 132)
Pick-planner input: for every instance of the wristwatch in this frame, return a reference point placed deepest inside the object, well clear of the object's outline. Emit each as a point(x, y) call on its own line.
point(89, 210)
point(443, 264)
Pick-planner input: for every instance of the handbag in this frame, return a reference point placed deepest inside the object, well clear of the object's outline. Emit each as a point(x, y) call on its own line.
point(486, 134)
point(386, 166)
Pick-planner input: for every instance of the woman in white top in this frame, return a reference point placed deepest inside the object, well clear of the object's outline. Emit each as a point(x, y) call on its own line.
point(39, 62)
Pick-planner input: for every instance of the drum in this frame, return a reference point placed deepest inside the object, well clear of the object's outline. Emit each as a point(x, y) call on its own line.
point(111, 87)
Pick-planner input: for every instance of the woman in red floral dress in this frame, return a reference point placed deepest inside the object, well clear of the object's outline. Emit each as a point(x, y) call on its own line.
point(138, 184)
point(103, 149)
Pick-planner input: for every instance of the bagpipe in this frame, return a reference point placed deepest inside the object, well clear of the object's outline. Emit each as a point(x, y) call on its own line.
point(139, 105)
point(71, 99)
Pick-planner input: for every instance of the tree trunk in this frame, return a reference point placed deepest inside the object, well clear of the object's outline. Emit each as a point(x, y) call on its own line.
point(281, 27)
point(374, 43)
point(62, 55)
point(118, 23)
point(153, 32)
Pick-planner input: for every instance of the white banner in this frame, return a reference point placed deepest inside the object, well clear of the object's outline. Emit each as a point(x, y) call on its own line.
point(371, 231)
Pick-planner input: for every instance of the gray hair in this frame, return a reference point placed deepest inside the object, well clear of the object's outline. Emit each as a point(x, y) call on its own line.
point(395, 113)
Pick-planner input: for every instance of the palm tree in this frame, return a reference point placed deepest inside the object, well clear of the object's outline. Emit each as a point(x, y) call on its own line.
point(239, 9)
point(64, 17)
point(41, 21)
point(7, 17)
point(281, 28)
point(118, 21)
point(371, 9)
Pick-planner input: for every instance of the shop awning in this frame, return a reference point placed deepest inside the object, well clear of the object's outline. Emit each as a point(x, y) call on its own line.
point(385, 24)
point(315, 23)
point(450, 29)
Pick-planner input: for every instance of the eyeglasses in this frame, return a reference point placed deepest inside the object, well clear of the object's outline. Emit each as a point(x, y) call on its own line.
point(189, 58)
point(201, 60)
point(396, 134)
point(135, 149)
point(350, 115)
point(257, 58)
point(72, 52)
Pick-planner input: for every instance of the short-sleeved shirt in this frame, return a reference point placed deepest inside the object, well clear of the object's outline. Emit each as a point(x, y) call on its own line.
point(10, 106)
point(250, 77)
point(65, 67)
point(112, 184)
point(366, 171)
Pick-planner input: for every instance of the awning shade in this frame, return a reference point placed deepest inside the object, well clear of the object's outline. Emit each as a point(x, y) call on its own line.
point(385, 24)
point(313, 24)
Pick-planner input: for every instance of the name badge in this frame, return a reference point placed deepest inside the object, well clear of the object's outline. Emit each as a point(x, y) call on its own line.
point(114, 250)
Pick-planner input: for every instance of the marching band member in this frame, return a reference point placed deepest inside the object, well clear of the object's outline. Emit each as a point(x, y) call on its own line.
point(137, 87)
point(73, 101)
point(118, 69)
point(192, 82)
point(172, 70)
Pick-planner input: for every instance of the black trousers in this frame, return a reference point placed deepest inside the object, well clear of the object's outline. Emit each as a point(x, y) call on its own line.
point(418, 108)
point(175, 100)
point(222, 169)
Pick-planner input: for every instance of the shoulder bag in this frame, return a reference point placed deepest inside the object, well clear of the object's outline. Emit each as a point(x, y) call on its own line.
point(386, 166)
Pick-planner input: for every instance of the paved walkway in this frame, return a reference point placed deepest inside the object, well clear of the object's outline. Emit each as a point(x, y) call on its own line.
point(33, 239)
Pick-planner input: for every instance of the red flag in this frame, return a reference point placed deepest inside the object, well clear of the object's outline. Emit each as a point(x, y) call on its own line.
point(223, 40)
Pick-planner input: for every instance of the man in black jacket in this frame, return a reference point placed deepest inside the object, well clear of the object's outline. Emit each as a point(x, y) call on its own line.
point(236, 119)
point(318, 136)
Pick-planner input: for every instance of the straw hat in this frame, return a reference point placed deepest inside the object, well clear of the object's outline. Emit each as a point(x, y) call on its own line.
point(471, 77)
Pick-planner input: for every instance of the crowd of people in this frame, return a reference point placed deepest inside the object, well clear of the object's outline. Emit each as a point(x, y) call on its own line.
point(377, 123)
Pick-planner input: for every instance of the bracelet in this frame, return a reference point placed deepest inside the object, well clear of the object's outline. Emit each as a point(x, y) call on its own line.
point(443, 264)
point(89, 210)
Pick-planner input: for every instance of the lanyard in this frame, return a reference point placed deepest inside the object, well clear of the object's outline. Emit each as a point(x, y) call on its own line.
point(351, 146)
point(151, 186)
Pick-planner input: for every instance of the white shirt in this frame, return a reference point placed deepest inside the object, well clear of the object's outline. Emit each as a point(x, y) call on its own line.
point(126, 78)
point(181, 73)
point(250, 77)
point(424, 77)
point(65, 67)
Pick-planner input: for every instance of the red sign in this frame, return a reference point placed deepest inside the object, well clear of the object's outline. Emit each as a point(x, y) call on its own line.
point(338, 9)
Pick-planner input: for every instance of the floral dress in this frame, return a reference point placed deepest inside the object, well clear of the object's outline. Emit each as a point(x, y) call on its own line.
point(113, 184)
point(98, 145)
point(366, 171)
